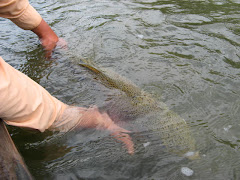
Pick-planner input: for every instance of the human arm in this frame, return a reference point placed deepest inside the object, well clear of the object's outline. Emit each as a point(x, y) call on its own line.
point(47, 37)
point(26, 17)
point(27, 104)
point(74, 118)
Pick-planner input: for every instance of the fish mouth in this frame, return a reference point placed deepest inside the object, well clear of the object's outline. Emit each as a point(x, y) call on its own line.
point(192, 155)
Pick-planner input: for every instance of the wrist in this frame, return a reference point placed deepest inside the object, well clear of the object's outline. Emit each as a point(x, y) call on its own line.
point(46, 35)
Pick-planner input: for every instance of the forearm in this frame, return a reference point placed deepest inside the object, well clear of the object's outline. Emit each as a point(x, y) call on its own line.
point(25, 103)
point(46, 35)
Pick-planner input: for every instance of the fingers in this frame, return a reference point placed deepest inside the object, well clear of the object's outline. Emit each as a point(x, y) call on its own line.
point(62, 44)
point(92, 118)
point(50, 44)
point(120, 134)
point(125, 139)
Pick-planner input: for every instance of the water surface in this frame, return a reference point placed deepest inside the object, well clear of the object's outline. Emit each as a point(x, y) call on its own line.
point(186, 53)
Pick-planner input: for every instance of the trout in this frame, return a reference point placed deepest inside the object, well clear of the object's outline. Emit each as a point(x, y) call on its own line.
point(133, 102)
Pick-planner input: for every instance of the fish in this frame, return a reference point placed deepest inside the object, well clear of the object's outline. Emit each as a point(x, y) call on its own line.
point(133, 102)
point(12, 165)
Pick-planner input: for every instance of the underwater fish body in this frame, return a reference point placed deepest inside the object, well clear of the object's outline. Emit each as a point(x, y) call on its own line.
point(132, 102)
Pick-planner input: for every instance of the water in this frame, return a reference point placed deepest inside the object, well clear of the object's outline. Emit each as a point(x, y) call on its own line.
point(186, 53)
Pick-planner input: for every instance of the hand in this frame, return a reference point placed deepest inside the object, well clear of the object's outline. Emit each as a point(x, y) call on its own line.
point(119, 133)
point(50, 45)
point(62, 43)
point(48, 38)
point(92, 118)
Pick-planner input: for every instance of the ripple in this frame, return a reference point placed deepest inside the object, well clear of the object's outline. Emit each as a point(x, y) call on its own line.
point(186, 54)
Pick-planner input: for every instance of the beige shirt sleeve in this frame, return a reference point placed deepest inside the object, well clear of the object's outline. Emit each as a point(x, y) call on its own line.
point(25, 103)
point(21, 13)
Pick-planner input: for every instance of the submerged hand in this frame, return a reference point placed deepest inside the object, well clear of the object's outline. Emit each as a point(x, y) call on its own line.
point(119, 133)
point(92, 118)
point(48, 38)
point(122, 135)
point(50, 44)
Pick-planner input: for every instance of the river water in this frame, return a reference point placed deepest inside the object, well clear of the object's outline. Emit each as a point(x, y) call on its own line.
point(185, 53)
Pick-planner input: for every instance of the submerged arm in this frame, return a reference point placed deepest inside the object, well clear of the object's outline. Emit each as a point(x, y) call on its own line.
point(92, 118)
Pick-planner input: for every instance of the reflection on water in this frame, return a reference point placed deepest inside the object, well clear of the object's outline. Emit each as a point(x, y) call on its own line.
point(185, 53)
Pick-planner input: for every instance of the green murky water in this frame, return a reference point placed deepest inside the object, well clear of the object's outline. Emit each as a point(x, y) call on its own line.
point(186, 53)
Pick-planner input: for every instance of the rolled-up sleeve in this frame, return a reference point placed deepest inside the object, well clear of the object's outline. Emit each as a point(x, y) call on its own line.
point(25, 103)
point(21, 13)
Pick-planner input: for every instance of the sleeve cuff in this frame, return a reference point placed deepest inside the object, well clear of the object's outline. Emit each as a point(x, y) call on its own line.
point(29, 20)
